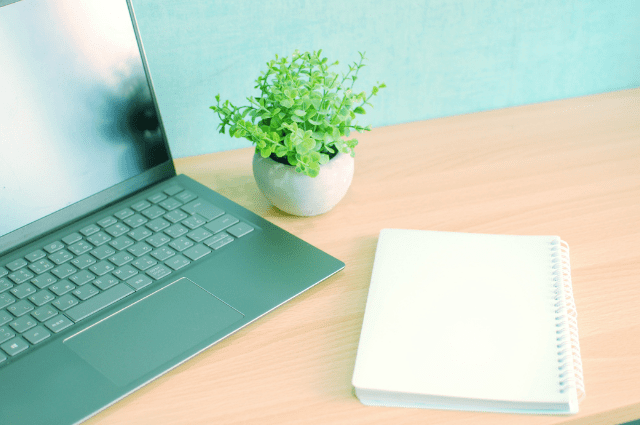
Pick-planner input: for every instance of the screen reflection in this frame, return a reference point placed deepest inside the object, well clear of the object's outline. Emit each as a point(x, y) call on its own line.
point(76, 112)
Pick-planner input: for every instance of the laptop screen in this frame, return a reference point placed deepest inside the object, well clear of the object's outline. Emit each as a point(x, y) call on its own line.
point(76, 114)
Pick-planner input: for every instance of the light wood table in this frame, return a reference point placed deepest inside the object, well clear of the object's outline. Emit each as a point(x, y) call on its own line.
point(569, 168)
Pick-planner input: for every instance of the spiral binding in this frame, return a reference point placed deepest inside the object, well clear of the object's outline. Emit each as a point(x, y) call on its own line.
point(570, 364)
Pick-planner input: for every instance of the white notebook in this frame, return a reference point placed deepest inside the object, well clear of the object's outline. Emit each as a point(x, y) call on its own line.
point(470, 322)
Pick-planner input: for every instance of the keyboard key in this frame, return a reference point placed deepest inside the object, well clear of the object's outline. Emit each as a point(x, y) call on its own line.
point(197, 252)
point(203, 208)
point(158, 240)
point(103, 252)
point(85, 292)
point(3, 272)
point(140, 233)
point(217, 242)
point(121, 242)
point(44, 313)
point(99, 238)
point(170, 204)
point(6, 333)
point(221, 223)
point(80, 247)
point(158, 224)
point(103, 267)
point(24, 290)
point(199, 235)
point(135, 220)
point(17, 264)
point(176, 230)
point(41, 266)
point(72, 238)
point(117, 229)
point(36, 335)
point(6, 299)
point(2, 357)
point(41, 297)
point(163, 253)
point(62, 287)
point(194, 221)
point(173, 189)
point(53, 247)
point(107, 221)
point(64, 270)
point(185, 196)
point(99, 302)
point(240, 229)
point(125, 272)
point(14, 346)
point(156, 198)
point(106, 282)
point(177, 262)
point(83, 261)
point(140, 206)
point(23, 324)
point(36, 255)
point(21, 275)
point(61, 257)
point(124, 213)
point(65, 302)
point(159, 271)
point(181, 243)
point(5, 317)
point(58, 323)
point(82, 277)
point(5, 284)
point(44, 280)
point(175, 216)
point(140, 249)
point(89, 230)
point(144, 262)
point(20, 308)
point(154, 212)
point(139, 282)
point(122, 258)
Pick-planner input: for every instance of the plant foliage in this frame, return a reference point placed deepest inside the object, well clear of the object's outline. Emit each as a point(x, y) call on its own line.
point(303, 113)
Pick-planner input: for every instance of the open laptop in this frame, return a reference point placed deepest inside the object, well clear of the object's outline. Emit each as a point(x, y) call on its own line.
point(113, 269)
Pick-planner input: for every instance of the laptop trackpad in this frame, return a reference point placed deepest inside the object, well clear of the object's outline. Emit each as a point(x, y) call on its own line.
point(155, 330)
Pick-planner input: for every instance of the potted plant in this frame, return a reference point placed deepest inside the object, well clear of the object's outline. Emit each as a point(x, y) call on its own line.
point(299, 123)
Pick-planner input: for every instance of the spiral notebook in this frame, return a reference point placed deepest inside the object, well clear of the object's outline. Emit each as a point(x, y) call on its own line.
point(470, 322)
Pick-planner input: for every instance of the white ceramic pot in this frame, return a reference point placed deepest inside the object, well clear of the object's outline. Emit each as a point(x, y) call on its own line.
point(299, 194)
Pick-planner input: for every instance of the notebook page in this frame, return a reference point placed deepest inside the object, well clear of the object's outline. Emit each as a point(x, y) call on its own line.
point(462, 315)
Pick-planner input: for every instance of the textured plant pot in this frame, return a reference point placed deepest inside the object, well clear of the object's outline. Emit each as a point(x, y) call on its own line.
point(298, 194)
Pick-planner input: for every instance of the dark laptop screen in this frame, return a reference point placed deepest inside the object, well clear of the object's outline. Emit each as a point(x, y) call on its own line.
point(76, 113)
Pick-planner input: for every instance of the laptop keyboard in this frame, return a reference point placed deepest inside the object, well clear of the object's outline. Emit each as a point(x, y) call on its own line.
point(71, 279)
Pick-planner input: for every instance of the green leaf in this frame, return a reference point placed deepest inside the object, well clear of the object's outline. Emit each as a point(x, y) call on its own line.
point(313, 170)
point(287, 103)
point(359, 110)
point(324, 158)
point(297, 119)
point(300, 112)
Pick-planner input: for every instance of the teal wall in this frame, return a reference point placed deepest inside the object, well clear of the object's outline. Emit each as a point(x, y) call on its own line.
point(438, 58)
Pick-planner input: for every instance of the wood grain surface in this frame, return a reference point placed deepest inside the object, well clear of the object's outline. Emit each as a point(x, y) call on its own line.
point(569, 168)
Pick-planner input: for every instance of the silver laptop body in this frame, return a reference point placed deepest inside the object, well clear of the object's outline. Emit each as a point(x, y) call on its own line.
point(113, 269)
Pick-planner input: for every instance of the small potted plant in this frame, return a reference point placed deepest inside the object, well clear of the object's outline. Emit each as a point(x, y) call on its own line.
point(299, 123)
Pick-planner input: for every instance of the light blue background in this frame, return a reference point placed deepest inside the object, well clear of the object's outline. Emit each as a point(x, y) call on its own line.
point(438, 58)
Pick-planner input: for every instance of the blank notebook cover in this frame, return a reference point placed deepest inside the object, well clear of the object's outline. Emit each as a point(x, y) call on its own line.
point(470, 322)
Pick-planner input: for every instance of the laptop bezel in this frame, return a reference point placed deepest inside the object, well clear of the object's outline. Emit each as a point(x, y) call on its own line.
point(67, 215)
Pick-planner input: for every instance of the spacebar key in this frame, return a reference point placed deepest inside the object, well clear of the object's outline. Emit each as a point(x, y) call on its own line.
point(100, 301)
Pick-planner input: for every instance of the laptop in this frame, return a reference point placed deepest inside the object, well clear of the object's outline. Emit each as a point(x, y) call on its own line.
point(113, 269)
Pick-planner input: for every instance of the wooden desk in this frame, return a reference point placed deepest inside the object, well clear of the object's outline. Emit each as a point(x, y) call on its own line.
point(568, 168)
